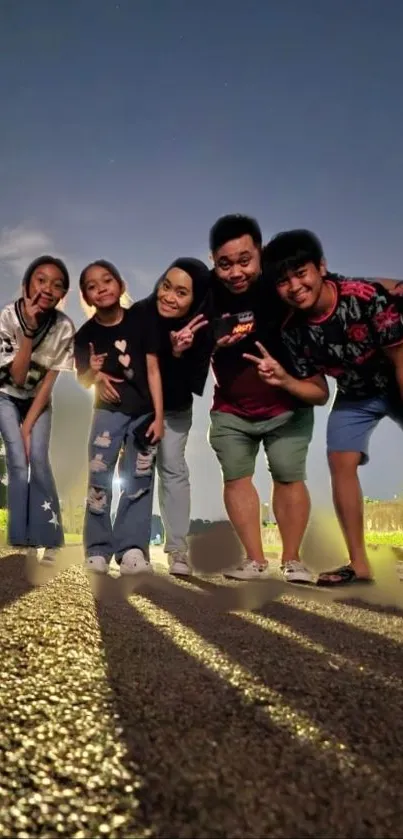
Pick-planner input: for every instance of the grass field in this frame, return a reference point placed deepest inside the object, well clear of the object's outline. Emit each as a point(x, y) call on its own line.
point(73, 538)
point(394, 538)
point(70, 538)
point(372, 537)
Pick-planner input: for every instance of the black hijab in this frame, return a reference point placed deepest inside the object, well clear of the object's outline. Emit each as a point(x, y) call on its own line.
point(180, 383)
point(201, 288)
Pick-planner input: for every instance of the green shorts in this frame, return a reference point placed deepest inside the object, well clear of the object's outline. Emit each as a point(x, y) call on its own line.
point(285, 439)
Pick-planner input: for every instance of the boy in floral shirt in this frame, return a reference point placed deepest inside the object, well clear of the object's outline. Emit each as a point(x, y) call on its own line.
point(351, 330)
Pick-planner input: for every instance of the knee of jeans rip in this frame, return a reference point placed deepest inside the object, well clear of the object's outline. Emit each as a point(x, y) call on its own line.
point(145, 462)
point(98, 464)
point(97, 501)
point(137, 485)
point(102, 440)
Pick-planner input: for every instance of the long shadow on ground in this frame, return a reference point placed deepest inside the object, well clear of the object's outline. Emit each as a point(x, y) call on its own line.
point(242, 732)
point(347, 697)
point(13, 580)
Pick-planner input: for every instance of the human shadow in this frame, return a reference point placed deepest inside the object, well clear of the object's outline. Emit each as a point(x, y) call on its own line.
point(13, 580)
point(215, 763)
point(39, 574)
point(392, 611)
point(344, 698)
point(361, 645)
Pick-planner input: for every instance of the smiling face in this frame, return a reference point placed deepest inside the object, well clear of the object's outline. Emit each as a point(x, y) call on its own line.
point(48, 281)
point(101, 289)
point(175, 294)
point(301, 288)
point(238, 264)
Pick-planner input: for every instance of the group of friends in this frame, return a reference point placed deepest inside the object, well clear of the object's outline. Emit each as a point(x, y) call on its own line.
point(274, 324)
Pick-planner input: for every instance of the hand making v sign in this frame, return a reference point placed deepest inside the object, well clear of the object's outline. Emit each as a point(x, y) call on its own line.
point(183, 339)
point(269, 370)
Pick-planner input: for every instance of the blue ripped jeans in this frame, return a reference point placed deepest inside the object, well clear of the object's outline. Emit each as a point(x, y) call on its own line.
point(33, 505)
point(113, 433)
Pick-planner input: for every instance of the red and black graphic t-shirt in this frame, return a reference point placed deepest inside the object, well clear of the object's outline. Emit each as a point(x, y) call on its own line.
point(347, 343)
point(238, 388)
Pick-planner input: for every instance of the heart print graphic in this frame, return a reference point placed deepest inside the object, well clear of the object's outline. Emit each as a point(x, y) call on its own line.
point(124, 360)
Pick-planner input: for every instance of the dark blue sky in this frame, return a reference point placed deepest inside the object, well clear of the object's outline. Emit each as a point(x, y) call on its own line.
point(129, 126)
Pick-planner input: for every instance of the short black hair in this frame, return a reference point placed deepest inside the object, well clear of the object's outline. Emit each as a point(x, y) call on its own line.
point(230, 227)
point(102, 263)
point(46, 260)
point(289, 251)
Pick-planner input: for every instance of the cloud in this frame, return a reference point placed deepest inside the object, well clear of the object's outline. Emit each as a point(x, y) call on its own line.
point(19, 245)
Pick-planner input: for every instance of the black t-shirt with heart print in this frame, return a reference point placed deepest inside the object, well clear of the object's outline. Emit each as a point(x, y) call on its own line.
point(126, 345)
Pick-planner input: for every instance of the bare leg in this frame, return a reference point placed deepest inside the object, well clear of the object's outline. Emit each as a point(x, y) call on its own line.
point(291, 507)
point(243, 507)
point(348, 502)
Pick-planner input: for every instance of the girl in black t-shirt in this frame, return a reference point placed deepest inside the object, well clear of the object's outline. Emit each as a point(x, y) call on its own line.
point(181, 307)
point(116, 352)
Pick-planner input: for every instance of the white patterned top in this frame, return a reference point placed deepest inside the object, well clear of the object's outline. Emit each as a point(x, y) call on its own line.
point(52, 350)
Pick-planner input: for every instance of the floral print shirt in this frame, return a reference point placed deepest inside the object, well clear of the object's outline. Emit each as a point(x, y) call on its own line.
point(347, 343)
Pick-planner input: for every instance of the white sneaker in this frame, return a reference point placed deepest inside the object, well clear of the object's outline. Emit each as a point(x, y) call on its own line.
point(295, 572)
point(32, 553)
point(96, 564)
point(179, 564)
point(249, 569)
point(134, 562)
point(50, 556)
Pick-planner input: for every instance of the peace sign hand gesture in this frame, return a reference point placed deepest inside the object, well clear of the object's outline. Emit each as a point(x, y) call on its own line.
point(269, 370)
point(96, 359)
point(31, 309)
point(183, 339)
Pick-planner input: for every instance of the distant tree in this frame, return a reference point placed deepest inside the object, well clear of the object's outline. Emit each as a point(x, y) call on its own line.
point(199, 525)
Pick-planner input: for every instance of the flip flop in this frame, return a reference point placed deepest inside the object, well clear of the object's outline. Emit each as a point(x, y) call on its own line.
point(347, 577)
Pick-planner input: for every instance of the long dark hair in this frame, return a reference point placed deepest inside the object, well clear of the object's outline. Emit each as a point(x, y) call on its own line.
point(46, 260)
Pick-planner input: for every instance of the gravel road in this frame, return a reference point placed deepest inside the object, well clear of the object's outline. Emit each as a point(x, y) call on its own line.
point(161, 715)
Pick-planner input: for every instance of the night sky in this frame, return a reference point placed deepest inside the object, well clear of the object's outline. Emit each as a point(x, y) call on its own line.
point(128, 127)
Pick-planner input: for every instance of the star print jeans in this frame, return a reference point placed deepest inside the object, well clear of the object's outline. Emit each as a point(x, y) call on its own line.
point(33, 505)
point(112, 434)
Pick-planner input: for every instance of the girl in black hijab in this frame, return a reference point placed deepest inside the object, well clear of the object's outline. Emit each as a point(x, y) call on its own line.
point(182, 305)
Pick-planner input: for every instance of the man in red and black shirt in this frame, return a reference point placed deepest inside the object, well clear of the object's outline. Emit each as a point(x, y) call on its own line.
point(351, 330)
point(246, 413)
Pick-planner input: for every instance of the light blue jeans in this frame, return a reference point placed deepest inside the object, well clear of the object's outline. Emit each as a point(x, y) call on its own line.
point(173, 479)
point(33, 504)
point(113, 433)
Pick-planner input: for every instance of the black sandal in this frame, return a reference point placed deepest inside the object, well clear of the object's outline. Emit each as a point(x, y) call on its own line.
point(347, 577)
